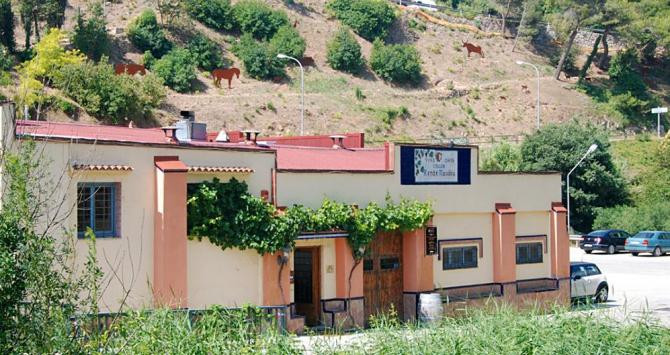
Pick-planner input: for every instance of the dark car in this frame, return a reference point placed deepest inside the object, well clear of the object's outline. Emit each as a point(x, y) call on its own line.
point(609, 240)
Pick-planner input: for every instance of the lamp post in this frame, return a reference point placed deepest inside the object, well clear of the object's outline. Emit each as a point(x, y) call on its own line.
point(591, 149)
point(658, 111)
point(302, 90)
point(537, 71)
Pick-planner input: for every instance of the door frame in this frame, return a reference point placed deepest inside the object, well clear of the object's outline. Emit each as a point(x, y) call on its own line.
point(316, 279)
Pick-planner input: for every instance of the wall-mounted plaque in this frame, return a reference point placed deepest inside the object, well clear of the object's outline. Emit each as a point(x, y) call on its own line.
point(431, 240)
point(434, 165)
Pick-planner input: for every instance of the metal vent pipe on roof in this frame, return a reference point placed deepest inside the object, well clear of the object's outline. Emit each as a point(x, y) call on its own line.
point(338, 141)
point(250, 136)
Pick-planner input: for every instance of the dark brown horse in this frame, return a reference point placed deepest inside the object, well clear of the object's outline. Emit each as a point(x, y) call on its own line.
point(130, 69)
point(227, 74)
point(473, 49)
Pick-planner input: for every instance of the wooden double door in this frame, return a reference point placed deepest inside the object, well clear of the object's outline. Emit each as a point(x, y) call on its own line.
point(307, 284)
point(382, 275)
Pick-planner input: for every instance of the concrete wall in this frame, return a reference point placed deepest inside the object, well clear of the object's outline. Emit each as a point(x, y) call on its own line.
point(534, 223)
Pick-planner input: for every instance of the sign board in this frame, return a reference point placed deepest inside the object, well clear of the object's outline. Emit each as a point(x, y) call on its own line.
point(431, 240)
point(434, 165)
point(659, 110)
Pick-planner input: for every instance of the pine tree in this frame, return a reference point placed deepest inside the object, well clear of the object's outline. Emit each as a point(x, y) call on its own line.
point(7, 25)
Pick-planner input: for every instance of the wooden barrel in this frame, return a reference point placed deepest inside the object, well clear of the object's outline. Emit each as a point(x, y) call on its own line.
point(430, 307)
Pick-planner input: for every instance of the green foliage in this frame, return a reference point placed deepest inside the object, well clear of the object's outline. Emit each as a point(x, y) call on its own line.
point(230, 217)
point(177, 69)
point(360, 96)
point(501, 157)
point(288, 41)
point(258, 19)
point(90, 35)
point(597, 181)
point(371, 19)
point(7, 25)
point(646, 216)
point(206, 53)
point(216, 14)
point(145, 34)
point(110, 97)
point(344, 52)
point(397, 63)
point(259, 58)
point(6, 60)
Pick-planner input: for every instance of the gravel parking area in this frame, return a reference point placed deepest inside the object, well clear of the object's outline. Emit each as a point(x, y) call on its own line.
point(638, 284)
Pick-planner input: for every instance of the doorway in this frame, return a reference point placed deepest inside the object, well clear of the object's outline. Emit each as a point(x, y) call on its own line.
point(307, 284)
point(382, 276)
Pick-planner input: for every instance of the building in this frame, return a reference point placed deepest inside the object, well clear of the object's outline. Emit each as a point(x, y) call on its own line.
point(492, 235)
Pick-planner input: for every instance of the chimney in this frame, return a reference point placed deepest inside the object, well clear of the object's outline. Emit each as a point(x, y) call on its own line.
point(338, 141)
point(250, 136)
point(188, 129)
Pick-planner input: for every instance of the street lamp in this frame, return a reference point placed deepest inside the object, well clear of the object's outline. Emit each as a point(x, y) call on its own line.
point(591, 149)
point(537, 71)
point(659, 111)
point(302, 90)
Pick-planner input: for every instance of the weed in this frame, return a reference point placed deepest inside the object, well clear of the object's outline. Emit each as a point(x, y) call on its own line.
point(270, 106)
point(475, 94)
point(436, 48)
point(359, 94)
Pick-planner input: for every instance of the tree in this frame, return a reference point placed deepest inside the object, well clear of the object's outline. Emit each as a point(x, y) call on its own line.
point(206, 53)
point(572, 16)
point(90, 35)
point(177, 69)
point(344, 52)
point(288, 41)
point(34, 12)
point(7, 25)
point(397, 63)
point(259, 59)
point(216, 14)
point(502, 157)
point(371, 19)
point(597, 182)
point(258, 19)
point(145, 34)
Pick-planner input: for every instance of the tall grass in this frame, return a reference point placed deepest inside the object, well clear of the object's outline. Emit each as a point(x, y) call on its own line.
point(509, 332)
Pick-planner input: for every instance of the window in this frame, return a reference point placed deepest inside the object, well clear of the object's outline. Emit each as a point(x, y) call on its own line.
point(96, 208)
point(459, 258)
point(528, 253)
point(592, 270)
point(368, 265)
point(577, 271)
point(390, 263)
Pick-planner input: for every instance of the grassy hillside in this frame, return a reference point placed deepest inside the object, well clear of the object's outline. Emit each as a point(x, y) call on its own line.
point(458, 96)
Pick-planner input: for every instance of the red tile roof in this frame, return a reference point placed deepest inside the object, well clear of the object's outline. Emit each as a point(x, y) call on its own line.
point(329, 159)
point(351, 140)
point(102, 167)
point(118, 134)
point(220, 169)
point(171, 166)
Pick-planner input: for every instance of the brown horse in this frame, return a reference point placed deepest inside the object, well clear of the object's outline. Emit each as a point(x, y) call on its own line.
point(227, 74)
point(473, 49)
point(130, 69)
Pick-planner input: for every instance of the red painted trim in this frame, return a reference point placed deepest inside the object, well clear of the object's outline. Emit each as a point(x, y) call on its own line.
point(558, 207)
point(504, 208)
point(170, 163)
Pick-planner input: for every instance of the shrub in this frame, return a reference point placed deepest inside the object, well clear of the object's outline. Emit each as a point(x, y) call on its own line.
point(344, 52)
point(502, 157)
point(6, 61)
point(259, 59)
point(7, 25)
point(206, 53)
point(398, 63)
point(216, 14)
point(371, 19)
point(258, 19)
point(90, 35)
point(145, 34)
point(108, 96)
point(177, 69)
point(622, 72)
point(288, 41)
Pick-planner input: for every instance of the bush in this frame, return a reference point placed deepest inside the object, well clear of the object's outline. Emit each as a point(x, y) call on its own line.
point(622, 72)
point(501, 157)
point(371, 19)
point(288, 41)
point(177, 69)
point(397, 63)
point(344, 52)
point(206, 54)
point(216, 14)
point(6, 60)
point(259, 59)
point(258, 19)
point(90, 36)
point(648, 216)
point(145, 34)
point(108, 96)
point(7, 25)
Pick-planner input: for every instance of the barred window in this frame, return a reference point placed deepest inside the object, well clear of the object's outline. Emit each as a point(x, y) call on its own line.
point(96, 208)
point(459, 258)
point(529, 253)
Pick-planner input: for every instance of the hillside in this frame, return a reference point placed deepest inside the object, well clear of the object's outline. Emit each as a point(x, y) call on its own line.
point(459, 96)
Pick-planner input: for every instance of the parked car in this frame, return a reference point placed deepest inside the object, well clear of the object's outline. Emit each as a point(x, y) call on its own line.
point(588, 282)
point(655, 242)
point(609, 240)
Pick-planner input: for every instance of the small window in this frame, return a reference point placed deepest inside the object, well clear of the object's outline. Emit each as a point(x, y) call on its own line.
point(577, 271)
point(459, 258)
point(592, 270)
point(528, 253)
point(368, 265)
point(96, 208)
point(391, 263)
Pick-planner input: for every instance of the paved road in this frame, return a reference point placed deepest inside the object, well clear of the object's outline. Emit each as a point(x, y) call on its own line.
point(638, 284)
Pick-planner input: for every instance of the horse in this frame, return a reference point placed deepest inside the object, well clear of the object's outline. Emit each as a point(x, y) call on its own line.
point(473, 49)
point(227, 74)
point(130, 69)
